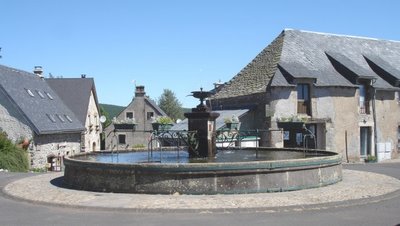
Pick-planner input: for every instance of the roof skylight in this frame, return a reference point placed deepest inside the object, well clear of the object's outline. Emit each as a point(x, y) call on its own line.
point(40, 94)
point(29, 92)
point(49, 96)
point(51, 117)
point(61, 118)
point(68, 118)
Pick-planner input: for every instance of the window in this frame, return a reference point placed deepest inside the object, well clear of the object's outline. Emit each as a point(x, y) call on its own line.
point(68, 118)
point(121, 139)
point(29, 92)
point(150, 115)
point(40, 94)
point(129, 115)
point(49, 96)
point(61, 119)
point(398, 139)
point(303, 99)
point(364, 100)
point(51, 117)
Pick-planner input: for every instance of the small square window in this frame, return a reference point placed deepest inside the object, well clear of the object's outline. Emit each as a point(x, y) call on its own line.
point(129, 115)
point(150, 115)
point(121, 139)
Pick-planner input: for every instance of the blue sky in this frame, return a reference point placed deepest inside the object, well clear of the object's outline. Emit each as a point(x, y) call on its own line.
point(177, 45)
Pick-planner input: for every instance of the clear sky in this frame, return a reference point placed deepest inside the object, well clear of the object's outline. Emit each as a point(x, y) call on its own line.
point(169, 44)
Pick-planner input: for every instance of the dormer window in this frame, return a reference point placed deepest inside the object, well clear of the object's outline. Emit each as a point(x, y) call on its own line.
point(303, 99)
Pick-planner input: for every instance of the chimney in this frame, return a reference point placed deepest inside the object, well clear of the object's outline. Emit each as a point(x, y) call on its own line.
point(218, 86)
point(83, 75)
point(139, 91)
point(38, 70)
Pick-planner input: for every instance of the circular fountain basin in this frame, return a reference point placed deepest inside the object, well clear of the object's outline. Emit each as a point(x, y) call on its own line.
point(267, 170)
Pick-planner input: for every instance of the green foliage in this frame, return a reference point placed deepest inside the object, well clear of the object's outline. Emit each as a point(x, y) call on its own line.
point(370, 158)
point(164, 120)
point(11, 157)
point(107, 115)
point(139, 146)
point(170, 105)
point(112, 111)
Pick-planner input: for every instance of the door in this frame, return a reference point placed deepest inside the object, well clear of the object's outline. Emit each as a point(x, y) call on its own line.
point(365, 141)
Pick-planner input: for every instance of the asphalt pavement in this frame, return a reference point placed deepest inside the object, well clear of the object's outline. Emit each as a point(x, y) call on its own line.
point(383, 211)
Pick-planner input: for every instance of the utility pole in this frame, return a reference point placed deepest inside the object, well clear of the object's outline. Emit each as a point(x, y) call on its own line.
point(0, 52)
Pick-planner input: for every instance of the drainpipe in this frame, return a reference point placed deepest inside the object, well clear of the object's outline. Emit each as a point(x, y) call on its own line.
point(374, 118)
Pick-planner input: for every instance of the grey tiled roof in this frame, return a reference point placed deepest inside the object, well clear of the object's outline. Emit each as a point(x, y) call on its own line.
point(303, 54)
point(155, 106)
point(42, 107)
point(75, 92)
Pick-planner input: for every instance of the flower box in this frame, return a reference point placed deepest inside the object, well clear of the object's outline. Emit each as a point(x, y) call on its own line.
point(125, 126)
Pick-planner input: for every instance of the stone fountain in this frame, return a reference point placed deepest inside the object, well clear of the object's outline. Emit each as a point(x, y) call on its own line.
point(273, 173)
point(202, 120)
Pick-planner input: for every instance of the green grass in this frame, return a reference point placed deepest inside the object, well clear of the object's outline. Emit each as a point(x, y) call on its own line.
point(12, 158)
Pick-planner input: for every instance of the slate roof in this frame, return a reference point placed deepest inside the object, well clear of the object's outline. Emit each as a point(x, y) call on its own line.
point(305, 54)
point(219, 122)
point(40, 105)
point(75, 92)
point(155, 106)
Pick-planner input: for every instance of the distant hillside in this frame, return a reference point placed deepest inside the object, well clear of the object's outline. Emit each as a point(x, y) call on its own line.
point(112, 110)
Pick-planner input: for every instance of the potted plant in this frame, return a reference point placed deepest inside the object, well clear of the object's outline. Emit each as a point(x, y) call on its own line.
point(162, 123)
point(127, 124)
point(370, 158)
point(232, 122)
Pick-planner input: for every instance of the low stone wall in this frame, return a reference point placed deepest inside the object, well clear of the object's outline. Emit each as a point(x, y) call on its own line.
point(204, 178)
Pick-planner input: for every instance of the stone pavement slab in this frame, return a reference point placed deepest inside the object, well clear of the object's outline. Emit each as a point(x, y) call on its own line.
point(356, 188)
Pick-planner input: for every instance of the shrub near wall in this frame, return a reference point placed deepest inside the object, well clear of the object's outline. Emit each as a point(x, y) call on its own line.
point(11, 157)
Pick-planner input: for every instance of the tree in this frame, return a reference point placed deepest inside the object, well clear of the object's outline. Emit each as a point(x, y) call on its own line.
point(104, 113)
point(170, 105)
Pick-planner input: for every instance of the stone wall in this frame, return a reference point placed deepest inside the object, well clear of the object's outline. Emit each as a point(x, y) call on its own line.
point(12, 122)
point(388, 121)
point(206, 178)
point(52, 145)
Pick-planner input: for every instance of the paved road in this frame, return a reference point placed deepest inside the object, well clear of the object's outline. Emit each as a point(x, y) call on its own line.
point(386, 212)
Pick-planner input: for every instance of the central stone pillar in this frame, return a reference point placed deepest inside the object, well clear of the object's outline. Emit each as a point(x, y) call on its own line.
point(202, 121)
point(204, 124)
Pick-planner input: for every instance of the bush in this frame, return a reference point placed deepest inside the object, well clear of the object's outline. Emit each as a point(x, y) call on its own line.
point(11, 157)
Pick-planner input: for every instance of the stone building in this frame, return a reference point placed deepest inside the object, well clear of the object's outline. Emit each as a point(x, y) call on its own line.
point(31, 110)
point(79, 94)
point(334, 92)
point(142, 110)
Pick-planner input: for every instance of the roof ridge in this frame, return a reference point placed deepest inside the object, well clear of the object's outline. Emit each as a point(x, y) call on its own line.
point(339, 35)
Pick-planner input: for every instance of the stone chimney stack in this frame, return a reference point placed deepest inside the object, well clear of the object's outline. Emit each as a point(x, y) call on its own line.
point(140, 91)
point(38, 70)
point(218, 86)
